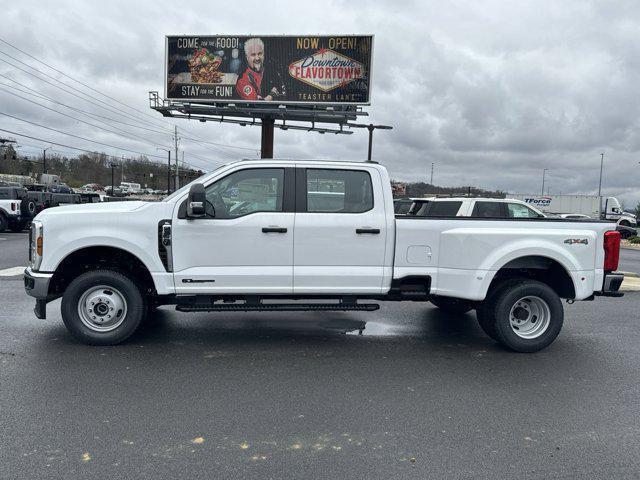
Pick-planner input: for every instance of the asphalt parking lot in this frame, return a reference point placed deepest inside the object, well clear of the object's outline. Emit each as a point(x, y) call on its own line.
point(418, 394)
point(14, 249)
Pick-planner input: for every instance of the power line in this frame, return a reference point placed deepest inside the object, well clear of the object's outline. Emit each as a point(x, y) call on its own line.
point(125, 134)
point(48, 98)
point(90, 100)
point(79, 137)
point(94, 90)
point(31, 91)
point(75, 93)
point(50, 142)
point(74, 79)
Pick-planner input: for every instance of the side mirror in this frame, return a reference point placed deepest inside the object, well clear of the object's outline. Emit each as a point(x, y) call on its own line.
point(196, 202)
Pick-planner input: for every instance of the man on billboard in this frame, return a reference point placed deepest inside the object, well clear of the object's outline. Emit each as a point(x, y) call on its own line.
point(252, 83)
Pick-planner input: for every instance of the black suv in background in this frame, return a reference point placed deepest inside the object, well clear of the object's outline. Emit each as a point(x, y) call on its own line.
point(28, 206)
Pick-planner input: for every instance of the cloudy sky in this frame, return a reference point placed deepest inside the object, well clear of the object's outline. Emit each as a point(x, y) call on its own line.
point(492, 92)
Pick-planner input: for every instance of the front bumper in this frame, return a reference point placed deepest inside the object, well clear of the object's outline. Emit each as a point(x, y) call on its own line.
point(36, 284)
point(611, 285)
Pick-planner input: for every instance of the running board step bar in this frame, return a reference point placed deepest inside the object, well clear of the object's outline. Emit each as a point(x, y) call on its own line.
point(279, 307)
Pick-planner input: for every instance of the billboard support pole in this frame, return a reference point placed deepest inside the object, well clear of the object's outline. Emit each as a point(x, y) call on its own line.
point(266, 145)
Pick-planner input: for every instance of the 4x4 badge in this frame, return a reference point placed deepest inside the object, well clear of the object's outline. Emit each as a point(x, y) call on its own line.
point(573, 241)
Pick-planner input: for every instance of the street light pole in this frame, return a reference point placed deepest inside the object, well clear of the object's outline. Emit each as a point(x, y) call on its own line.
point(431, 182)
point(600, 182)
point(544, 171)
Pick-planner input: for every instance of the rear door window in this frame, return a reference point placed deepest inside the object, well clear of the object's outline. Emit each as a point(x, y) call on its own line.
point(339, 191)
point(488, 210)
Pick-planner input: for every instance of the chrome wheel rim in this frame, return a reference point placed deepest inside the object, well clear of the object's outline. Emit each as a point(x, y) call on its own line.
point(530, 317)
point(102, 308)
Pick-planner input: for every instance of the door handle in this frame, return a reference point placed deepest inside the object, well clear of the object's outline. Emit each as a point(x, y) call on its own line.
point(373, 231)
point(274, 230)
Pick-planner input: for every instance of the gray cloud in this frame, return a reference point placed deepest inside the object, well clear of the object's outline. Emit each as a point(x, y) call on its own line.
point(492, 92)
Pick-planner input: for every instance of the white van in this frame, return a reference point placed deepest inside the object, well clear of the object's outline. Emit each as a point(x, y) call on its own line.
point(130, 188)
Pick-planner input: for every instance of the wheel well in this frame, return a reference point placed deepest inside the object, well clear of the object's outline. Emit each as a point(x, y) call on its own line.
point(94, 258)
point(543, 269)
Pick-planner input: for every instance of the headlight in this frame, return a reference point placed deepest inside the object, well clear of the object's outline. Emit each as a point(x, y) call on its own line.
point(35, 244)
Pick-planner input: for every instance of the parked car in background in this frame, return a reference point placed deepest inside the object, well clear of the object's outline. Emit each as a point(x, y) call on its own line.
point(61, 188)
point(16, 208)
point(114, 192)
point(92, 187)
point(90, 197)
point(130, 188)
point(477, 207)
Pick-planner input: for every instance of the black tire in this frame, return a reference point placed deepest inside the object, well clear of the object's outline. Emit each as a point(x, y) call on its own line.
point(625, 223)
point(452, 305)
point(4, 223)
point(28, 207)
point(18, 226)
point(625, 234)
point(498, 306)
point(485, 311)
point(135, 302)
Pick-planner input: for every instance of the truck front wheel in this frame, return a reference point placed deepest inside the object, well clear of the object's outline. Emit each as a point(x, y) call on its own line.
point(102, 307)
point(523, 315)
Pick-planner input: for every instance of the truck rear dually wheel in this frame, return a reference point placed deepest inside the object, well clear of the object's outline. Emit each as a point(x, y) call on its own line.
point(102, 307)
point(523, 315)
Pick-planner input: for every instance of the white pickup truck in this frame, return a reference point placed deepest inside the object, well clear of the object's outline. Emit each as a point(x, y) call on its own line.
point(310, 235)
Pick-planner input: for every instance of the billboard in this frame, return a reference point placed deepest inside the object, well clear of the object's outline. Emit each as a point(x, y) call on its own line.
point(330, 69)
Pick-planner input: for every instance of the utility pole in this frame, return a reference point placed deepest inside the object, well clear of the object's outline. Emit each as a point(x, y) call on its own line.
point(186, 178)
point(175, 139)
point(44, 159)
point(113, 166)
point(431, 182)
point(168, 150)
point(544, 171)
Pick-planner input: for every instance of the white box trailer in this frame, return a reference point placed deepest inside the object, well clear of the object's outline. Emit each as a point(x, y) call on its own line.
point(582, 204)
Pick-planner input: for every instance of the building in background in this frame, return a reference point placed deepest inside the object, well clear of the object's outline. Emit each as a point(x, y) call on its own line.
point(399, 189)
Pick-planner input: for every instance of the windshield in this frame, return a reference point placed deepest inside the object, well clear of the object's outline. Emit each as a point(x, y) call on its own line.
point(186, 188)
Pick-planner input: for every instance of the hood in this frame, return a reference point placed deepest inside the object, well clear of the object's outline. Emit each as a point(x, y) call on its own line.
point(94, 208)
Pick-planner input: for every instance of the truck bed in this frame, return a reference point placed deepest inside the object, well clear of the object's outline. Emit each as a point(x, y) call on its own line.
point(461, 255)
